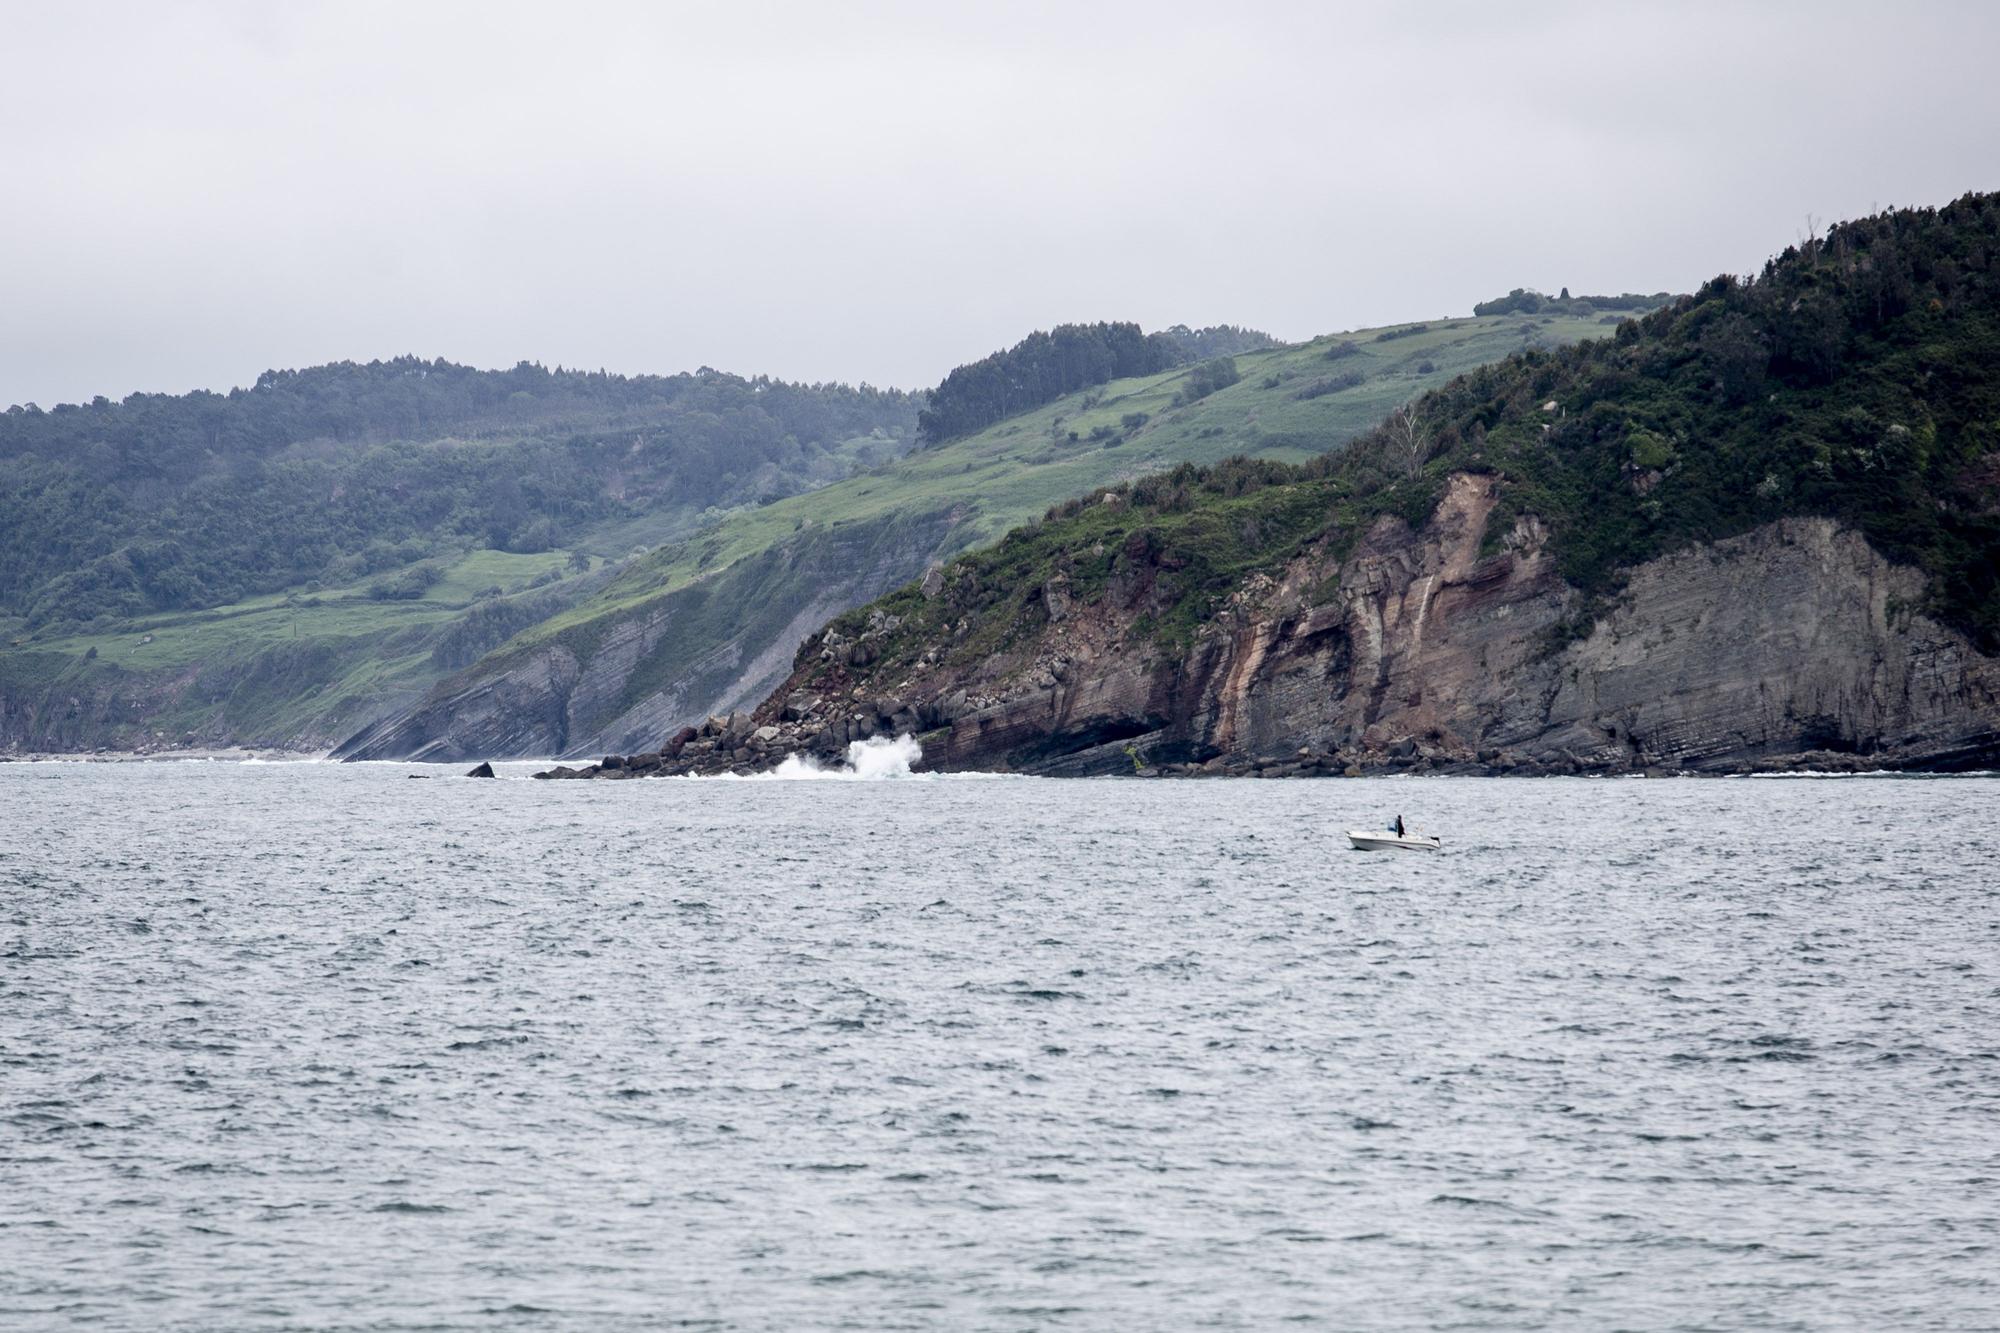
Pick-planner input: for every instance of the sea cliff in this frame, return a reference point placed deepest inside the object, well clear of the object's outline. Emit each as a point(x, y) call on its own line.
point(1794, 645)
point(1758, 528)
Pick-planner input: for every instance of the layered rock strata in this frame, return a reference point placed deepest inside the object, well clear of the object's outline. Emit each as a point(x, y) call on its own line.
point(1443, 648)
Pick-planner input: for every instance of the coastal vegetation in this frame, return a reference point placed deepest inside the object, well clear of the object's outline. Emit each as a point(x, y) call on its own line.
point(1116, 433)
point(1857, 378)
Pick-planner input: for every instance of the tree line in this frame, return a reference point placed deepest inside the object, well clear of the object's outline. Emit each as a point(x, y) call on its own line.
point(1045, 366)
point(1528, 301)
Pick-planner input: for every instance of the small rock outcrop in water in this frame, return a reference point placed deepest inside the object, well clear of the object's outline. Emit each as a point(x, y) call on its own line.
point(485, 770)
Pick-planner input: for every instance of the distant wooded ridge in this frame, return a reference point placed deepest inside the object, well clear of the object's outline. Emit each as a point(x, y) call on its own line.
point(1528, 301)
point(1043, 367)
point(177, 501)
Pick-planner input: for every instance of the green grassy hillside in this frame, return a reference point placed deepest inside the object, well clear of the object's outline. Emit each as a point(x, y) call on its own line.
point(1289, 403)
point(284, 666)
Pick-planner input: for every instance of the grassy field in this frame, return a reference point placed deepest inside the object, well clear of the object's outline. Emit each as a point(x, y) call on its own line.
point(298, 666)
point(167, 643)
point(1282, 406)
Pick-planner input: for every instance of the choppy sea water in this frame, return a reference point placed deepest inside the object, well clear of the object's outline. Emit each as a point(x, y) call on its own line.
point(310, 1046)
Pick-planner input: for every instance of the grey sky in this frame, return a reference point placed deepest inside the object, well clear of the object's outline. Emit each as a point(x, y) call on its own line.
point(823, 191)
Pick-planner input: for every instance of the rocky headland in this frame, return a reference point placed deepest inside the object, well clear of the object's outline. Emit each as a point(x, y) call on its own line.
point(1795, 646)
point(1758, 529)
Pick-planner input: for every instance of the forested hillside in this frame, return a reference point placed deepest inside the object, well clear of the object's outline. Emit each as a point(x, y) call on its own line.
point(1045, 366)
point(1857, 377)
point(336, 473)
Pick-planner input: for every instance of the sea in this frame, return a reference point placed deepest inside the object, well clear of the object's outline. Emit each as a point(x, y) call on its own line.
point(321, 1046)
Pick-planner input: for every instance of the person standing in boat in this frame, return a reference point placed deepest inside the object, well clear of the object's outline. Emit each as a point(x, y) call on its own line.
point(1399, 826)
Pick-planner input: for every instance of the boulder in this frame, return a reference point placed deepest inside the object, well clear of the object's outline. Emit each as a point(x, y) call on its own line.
point(680, 740)
point(933, 583)
point(798, 705)
point(611, 761)
point(766, 734)
point(485, 770)
point(1055, 599)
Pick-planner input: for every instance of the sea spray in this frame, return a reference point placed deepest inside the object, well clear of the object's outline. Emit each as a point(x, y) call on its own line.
point(876, 757)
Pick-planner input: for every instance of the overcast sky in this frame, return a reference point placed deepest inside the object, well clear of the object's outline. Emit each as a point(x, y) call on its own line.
point(195, 192)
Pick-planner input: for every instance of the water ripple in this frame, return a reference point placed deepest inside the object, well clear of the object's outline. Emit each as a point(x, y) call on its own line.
point(289, 1047)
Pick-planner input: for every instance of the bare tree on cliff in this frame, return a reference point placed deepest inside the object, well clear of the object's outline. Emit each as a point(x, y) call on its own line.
point(1409, 437)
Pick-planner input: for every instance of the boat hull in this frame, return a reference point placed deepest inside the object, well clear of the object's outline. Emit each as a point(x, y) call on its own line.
point(1389, 842)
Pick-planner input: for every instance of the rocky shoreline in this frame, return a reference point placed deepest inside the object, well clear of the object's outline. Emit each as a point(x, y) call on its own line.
point(741, 746)
point(1790, 649)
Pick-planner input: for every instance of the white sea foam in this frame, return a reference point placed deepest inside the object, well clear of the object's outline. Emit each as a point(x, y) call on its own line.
point(877, 758)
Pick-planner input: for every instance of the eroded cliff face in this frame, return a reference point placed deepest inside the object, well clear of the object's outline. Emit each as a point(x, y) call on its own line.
point(629, 678)
point(1443, 647)
point(522, 709)
point(1797, 637)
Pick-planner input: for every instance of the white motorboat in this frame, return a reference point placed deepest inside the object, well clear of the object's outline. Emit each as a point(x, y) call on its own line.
point(1387, 840)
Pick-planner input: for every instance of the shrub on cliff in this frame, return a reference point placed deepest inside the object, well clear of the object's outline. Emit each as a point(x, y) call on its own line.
point(1208, 378)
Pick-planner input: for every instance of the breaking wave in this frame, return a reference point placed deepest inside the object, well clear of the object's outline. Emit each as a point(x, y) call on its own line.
point(876, 758)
